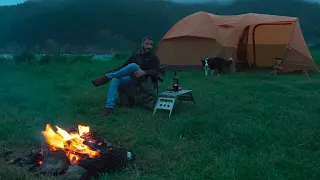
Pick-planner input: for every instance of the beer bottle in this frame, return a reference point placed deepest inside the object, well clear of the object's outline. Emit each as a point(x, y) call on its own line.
point(175, 82)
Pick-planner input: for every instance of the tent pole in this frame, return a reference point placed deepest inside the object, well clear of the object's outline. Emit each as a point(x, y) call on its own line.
point(318, 69)
point(288, 46)
point(307, 75)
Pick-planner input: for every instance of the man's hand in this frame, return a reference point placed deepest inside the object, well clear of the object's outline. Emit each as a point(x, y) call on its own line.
point(139, 73)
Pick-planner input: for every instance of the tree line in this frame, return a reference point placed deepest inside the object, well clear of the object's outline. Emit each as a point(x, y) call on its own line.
point(113, 25)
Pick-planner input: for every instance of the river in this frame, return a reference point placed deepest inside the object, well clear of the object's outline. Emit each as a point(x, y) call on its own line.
point(99, 57)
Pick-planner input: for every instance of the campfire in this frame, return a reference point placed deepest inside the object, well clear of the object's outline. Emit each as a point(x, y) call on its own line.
point(77, 153)
point(73, 143)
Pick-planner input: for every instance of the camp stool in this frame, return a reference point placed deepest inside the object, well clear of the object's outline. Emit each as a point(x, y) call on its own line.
point(166, 100)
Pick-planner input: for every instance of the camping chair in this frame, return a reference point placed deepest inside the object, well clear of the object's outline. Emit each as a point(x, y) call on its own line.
point(160, 78)
point(142, 91)
point(278, 66)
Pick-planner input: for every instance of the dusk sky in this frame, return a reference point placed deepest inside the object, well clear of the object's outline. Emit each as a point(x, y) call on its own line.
point(11, 2)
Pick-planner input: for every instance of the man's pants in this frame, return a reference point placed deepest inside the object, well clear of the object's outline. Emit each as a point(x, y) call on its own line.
point(120, 78)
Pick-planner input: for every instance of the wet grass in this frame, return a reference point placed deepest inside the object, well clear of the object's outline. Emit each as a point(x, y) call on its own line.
point(244, 126)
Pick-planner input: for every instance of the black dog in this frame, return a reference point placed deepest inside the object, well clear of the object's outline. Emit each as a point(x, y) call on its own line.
point(217, 63)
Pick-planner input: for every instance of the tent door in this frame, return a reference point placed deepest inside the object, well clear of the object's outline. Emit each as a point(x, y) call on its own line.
point(242, 59)
point(270, 41)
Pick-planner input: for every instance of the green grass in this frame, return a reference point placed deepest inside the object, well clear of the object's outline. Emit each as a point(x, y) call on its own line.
point(244, 126)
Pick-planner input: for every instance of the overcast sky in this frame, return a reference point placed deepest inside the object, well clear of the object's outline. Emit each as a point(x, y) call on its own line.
point(10, 2)
point(200, 1)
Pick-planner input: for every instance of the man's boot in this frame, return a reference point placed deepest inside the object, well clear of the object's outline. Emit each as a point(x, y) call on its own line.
point(100, 81)
point(106, 112)
point(131, 101)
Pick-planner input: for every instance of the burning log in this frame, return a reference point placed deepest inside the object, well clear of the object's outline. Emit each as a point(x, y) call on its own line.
point(55, 163)
point(110, 160)
point(92, 145)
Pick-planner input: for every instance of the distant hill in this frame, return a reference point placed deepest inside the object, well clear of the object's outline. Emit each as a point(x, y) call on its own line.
point(112, 25)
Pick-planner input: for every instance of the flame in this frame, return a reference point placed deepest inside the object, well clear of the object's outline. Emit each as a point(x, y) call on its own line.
point(71, 143)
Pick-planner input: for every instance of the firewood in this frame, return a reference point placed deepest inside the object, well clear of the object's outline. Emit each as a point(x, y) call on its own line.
point(46, 160)
point(55, 163)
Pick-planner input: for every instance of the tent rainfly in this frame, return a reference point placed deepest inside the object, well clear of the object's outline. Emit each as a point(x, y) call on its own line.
point(255, 39)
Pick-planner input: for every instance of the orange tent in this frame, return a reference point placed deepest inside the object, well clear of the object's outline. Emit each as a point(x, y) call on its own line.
point(254, 39)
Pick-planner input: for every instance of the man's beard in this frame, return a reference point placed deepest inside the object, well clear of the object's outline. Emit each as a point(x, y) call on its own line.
point(146, 53)
point(147, 50)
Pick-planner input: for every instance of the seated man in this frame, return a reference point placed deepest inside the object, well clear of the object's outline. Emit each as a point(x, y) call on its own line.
point(143, 63)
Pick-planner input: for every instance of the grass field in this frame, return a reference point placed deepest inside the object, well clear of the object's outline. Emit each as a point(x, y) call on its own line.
point(244, 126)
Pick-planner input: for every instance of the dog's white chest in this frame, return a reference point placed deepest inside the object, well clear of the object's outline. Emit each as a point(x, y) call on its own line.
point(206, 67)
